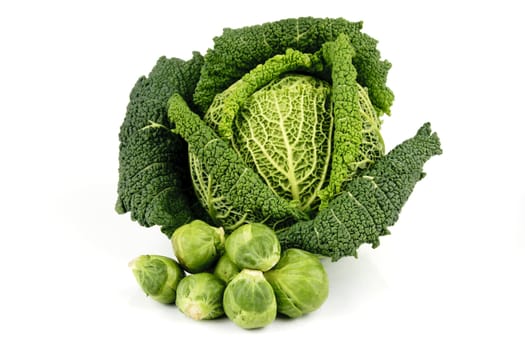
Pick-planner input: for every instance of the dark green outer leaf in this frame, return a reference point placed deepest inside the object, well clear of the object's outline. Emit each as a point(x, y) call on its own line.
point(237, 51)
point(154, 182)
point(368, 204)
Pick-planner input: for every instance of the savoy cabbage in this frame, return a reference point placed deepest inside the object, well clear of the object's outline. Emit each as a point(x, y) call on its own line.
point(279, 123)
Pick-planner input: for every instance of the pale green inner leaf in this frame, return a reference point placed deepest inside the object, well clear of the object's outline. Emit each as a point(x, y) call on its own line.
point(284, 130)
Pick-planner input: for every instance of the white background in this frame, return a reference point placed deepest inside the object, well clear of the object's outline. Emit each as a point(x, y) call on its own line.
point(451, 275)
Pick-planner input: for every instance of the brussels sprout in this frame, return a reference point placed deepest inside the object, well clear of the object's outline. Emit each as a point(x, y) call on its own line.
point(197, 245)
point(253, 246)
point(226, 269)
point(158, 276)
point(299, 281)
point(249, 300)
point(199, 296)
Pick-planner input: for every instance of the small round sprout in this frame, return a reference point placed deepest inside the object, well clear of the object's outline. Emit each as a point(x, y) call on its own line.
point(199, 296)
point(249, 300)
point(197, 245)
point(253, 246)
point(299, 281)
point(158, 276)
point(226, 269)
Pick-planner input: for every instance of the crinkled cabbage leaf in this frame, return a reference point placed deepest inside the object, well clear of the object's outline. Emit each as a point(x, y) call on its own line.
point(278, 123)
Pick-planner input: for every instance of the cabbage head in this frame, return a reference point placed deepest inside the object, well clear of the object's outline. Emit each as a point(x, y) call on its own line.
point(277, 123)
point(302, 122)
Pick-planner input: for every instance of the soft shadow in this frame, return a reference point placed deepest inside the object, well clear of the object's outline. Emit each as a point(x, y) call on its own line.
point(352, 282)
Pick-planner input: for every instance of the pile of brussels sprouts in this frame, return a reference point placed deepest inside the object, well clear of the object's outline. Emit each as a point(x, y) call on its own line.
point(244, 276)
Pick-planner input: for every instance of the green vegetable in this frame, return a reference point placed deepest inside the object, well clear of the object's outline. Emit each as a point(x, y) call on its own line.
point(253, 246)
point(277, 124)
point(300, 283)
point(226, 269)
point(285, 126)
point(197, 245)
point(158, 276)
point(249, 300)
point(199, 296)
